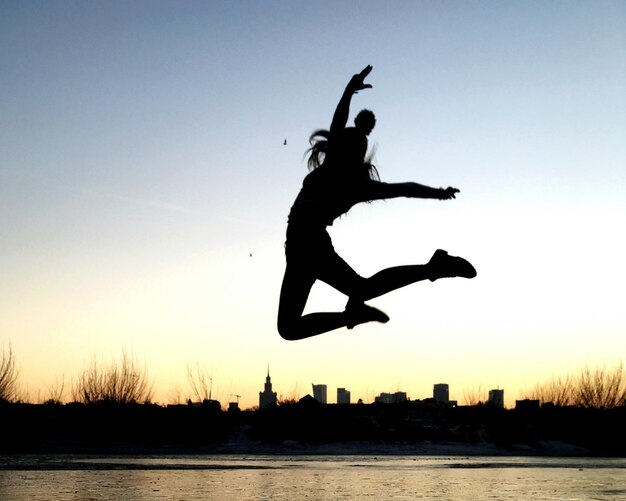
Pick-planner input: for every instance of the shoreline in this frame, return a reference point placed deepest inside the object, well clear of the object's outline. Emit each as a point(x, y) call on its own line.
point(385, 429)
point(294, 449)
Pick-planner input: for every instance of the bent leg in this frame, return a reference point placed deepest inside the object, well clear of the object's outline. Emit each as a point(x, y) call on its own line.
point(292, 325)
point(297, 283)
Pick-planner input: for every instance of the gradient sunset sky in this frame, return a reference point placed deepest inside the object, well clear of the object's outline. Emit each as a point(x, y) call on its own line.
point(144, 189)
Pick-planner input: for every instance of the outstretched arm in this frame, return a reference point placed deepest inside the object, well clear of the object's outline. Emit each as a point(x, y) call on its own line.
point(380, 191)
point(340, 118)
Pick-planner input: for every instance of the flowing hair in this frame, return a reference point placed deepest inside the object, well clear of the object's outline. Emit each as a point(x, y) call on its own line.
point(319, 146)
point(320, 140)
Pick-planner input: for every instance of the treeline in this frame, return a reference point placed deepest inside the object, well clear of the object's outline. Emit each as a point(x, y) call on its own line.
point(591, 388)
point(123, 381)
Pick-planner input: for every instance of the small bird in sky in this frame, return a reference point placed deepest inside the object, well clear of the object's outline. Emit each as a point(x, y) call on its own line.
point(285, 143)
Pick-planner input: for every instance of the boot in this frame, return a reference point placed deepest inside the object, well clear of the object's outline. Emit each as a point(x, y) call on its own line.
point(357, 313)
point(442, 265)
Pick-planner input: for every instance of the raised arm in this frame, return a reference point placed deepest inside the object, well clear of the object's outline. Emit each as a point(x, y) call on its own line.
point(340, 118)
point(376, 190)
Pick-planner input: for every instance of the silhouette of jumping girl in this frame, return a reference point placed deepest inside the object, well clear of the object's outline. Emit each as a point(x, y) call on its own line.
point(342, 176)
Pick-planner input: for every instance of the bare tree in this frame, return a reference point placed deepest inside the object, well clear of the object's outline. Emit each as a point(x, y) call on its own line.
point(8, 377)
point(200, 382)
point(601, 388)
point(176, 396)
point(557, 390)
point(292, 398)
point(122, 382)
point(474, 396)
point(55, 392)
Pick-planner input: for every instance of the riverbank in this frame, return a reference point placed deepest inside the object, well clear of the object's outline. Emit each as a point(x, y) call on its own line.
point(411, 428)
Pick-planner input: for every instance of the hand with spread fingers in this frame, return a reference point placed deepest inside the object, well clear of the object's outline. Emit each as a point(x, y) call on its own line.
point(357, 81)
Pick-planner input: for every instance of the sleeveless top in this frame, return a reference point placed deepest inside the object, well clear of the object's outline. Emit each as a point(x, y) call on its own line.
point(337, 185)
point(329, 192)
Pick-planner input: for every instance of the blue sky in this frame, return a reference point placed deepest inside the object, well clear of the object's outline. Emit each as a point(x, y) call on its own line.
point(143, 161)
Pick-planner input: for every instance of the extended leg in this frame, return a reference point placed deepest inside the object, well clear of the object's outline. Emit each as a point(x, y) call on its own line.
point(440, 265)
point(391, 279)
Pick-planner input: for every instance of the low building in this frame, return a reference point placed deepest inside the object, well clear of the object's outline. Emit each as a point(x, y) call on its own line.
point(527, 405)
point(391, 398)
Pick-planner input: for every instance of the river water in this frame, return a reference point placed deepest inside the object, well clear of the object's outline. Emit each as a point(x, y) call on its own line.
point(319, 478)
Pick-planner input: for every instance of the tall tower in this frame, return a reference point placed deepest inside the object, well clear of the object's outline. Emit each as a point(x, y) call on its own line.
point(267, 397)
point(441, 393)
point(319, 393)
point(496, 398)
point(343, 396)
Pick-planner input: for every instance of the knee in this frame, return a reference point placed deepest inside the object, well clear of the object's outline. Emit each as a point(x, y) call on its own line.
point(288, 330)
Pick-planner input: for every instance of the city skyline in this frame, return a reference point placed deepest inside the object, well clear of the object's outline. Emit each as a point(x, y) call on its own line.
point(440, 393)
point(151, 152)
